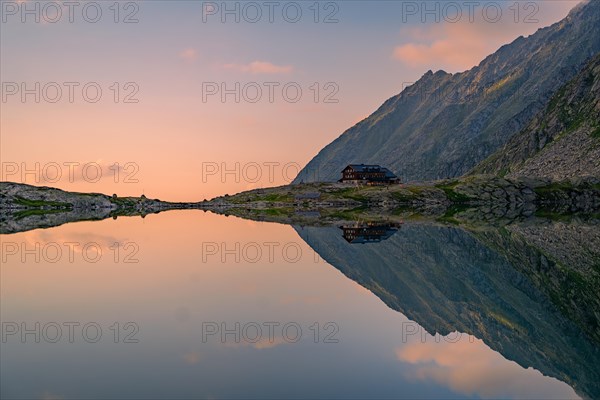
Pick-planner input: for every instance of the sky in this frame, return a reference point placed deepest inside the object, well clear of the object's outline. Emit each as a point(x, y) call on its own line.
point(187, 100)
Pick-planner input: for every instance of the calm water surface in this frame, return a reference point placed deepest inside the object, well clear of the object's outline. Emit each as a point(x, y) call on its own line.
point(207, 306)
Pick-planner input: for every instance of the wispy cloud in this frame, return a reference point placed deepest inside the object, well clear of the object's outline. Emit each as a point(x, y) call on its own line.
point(189, 54)
point(455, 51)
point(260, 67)
point(191, 358)
point(262, 344)
point(459, 46)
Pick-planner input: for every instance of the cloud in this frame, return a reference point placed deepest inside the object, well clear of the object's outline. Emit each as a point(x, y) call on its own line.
point(471, 368)
point(450, 54)
point(87, 243)
point(266, 343)
point(462, 45)
point(260, 67)
point(262, 343)
point(189, 54)
point(191, 358)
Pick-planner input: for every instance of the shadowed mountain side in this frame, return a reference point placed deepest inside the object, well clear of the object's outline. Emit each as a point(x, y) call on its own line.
point(446, 280)
point(445, 124)
point(561, 143)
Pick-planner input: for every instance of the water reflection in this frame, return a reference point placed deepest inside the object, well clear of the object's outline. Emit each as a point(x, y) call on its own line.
point(212, 297)
point(528, 291)
point(361, 233)
point(467, 366)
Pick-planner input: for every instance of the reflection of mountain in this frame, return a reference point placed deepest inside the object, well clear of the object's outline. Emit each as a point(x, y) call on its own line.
point(504, 288)
point(562, 260)
point(368, 233)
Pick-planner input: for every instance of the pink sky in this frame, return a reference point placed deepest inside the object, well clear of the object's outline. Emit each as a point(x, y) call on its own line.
point(176, 130)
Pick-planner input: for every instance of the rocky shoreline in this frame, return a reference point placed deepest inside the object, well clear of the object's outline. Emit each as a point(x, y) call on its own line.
point(479, 198)
point(25, 207)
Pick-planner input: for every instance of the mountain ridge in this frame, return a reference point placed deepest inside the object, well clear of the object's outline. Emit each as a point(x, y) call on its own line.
point(445, 124)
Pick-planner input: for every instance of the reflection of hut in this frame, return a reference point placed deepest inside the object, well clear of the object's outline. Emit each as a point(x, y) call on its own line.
point(369, 233)
point(368, 174)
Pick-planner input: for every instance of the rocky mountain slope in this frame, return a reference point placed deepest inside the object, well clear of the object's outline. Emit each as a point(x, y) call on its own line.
point(562, 142)
point(445, 124)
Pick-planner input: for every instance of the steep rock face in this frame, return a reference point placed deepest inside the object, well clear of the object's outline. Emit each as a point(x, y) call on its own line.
point(563, 141)
point(445, 124)
point(525, 310)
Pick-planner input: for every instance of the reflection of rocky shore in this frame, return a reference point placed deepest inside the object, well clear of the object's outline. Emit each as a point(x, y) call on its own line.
point(529, 291)
point(492, 200)
point(13, 222)
point(26, 207)
point(19, 221)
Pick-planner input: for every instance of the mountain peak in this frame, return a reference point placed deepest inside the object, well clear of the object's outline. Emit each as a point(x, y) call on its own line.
point(584, 6)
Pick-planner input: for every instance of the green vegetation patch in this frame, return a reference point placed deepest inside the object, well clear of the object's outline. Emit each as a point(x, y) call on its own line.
point(450, 214)
point(453, 195)
point(352, 214)
point(553, 187)
point(127, 202)
point(404, 197)
point(41, 203)
point(275, 211)
point(557, 99)
point(352, 194)
point(503, 172)
point(448, 184)
point(552, 215)
point(27, 213)
point(575, 122)
point(278, 197)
